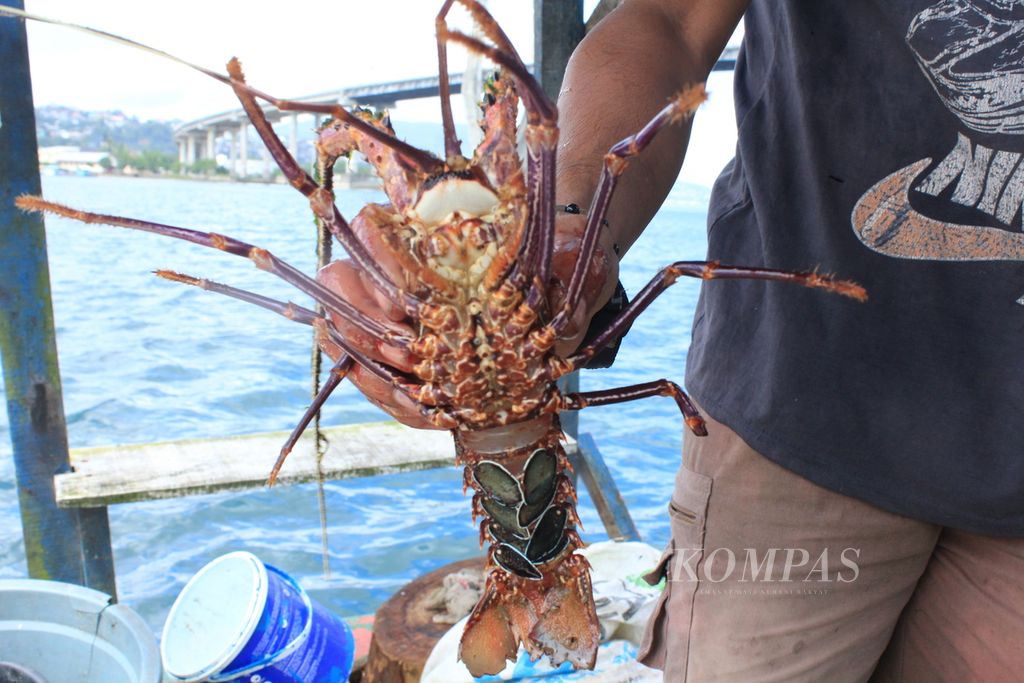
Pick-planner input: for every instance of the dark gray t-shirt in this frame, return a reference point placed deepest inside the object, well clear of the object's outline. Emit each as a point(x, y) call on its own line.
point(881, 141)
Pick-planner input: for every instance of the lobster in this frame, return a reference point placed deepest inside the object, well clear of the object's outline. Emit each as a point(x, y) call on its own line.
point(471, 240)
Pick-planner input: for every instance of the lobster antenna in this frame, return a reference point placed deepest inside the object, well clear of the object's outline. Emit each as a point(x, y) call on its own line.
point(11, 12)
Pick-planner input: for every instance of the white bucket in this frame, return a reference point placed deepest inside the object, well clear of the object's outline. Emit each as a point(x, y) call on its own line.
point(65, 633)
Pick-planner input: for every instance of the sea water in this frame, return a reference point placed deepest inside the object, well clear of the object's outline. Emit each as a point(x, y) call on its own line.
point(146, 360)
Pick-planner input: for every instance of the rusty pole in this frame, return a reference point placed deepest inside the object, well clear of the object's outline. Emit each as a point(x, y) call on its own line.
point(71, 545)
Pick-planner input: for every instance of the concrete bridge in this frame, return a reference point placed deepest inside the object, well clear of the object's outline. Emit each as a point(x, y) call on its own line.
point(197, 140)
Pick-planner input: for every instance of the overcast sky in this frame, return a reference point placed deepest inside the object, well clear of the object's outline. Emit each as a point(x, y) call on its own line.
point(298, 47)
point(295, 47)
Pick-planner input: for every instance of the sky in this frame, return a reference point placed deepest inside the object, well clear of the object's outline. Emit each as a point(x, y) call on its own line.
point(297, 47)
point(293, 48)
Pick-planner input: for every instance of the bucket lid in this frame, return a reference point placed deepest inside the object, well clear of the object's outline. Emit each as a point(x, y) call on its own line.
point(214, 616)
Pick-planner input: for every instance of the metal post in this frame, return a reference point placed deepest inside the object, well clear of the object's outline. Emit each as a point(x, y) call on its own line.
point(70, 545)
point(557, 29)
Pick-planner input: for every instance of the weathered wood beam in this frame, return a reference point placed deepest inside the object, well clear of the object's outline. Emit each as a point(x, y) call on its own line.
point(124, 474)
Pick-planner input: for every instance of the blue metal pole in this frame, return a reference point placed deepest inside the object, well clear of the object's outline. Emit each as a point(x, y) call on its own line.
point(71, 545)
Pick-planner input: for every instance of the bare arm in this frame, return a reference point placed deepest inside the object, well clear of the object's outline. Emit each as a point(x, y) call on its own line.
point(624, 71)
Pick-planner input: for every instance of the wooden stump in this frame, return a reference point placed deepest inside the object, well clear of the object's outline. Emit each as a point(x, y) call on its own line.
point(404, 631)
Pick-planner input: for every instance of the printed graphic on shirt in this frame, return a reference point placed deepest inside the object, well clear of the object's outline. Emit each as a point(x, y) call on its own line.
point(968, 206)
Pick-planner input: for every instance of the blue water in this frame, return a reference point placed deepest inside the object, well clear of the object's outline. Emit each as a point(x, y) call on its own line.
point(147, 360)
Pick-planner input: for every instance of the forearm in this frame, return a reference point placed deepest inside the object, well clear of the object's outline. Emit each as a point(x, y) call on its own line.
point(624, 71)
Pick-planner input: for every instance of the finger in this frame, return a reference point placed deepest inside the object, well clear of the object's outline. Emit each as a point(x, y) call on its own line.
point(344, 278)
point(371, 225)
point(600, 277)
point(389, 309)
point(392, 401)
point(381, 393)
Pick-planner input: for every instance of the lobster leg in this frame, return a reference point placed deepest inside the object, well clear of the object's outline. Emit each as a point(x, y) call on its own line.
point(704, 270)
point(424, 161)
point(534, 258)
point(452, 146)
point(615, 162)
point(292, 312)
point(338, 373)
point(539, 109)
point(661, 387)
point(503, 53)
point(541, 142)
point(263, 259)
point(320, 198)
point(306, 316)
point(289, 310)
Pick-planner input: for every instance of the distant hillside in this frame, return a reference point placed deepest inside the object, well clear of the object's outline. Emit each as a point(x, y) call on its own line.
point(102, 130)
point(114, 131)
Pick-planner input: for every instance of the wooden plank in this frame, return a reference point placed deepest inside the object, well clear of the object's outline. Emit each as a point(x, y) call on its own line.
point(123, 474)
point(603, 491)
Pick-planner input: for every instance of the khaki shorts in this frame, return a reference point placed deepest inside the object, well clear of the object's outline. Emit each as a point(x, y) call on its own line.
point(773, 578)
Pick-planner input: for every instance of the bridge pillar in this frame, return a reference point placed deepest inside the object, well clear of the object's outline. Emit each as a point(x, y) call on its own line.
point(243, 149)
point(211, 143)
point(190, 149)
point(233, 155)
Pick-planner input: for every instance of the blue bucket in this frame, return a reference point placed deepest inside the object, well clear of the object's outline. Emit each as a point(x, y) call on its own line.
point(238, 619)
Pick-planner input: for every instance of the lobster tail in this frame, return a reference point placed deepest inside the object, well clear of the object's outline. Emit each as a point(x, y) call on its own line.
point(538, 590)
point(567, 629)
point(553, 616)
